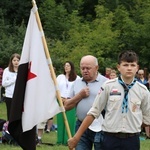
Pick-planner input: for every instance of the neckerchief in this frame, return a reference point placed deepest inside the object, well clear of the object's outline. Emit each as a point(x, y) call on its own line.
point(126, 90)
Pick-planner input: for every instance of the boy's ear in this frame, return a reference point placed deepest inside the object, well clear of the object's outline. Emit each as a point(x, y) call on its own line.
point(118, 67)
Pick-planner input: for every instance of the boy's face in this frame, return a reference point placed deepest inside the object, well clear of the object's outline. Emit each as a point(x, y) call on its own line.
point(128, 69)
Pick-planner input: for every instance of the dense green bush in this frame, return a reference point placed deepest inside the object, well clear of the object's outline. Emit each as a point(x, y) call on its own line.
point(76, 28)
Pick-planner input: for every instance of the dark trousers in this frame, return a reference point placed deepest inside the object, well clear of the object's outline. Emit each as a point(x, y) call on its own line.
point(89, 138)
point(8, 106)
point(114, 143)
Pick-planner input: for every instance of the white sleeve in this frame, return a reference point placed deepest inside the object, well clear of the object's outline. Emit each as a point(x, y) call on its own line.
point(7, 78)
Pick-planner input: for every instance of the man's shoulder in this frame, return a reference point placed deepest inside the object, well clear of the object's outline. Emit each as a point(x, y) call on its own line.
point(78, 83)
point(101, 77)
point(79, 79)
point(111, 81)
point(141, 85)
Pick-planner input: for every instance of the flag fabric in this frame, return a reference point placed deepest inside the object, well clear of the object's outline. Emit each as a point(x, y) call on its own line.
point(34, 98)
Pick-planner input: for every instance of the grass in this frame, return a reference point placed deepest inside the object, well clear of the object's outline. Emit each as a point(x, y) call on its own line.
point(51, 138)
point(47, 137)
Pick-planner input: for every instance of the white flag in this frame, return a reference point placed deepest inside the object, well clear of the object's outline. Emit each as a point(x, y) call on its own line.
point(40, 101)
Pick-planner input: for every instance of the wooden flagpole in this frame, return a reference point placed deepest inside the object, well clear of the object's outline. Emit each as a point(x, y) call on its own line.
point(51, 69)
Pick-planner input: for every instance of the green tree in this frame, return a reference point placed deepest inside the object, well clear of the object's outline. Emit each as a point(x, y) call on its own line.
point(11, 40)
point(54, 19)
point(17, 11)
point(75, 28)
point(96, 38)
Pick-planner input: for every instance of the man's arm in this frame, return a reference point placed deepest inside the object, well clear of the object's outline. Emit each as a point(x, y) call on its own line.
point(71, 103)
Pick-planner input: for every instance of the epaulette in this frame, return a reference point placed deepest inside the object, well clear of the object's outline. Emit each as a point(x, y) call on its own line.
point(141, 85)
point(111, 80)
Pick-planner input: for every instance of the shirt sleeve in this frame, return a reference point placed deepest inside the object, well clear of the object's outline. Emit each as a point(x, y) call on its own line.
point(8, 79)
point(145, 106)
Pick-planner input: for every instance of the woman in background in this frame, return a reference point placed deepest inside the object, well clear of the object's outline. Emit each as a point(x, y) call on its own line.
point(65, 83)
point(9, 80)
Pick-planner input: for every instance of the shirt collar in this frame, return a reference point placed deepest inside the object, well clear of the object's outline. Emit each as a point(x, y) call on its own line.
point(96, 80)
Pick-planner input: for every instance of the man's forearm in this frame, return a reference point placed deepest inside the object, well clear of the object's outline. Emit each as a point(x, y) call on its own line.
point(71, 103)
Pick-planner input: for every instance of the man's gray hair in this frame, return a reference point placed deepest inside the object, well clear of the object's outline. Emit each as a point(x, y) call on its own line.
point(96, 60)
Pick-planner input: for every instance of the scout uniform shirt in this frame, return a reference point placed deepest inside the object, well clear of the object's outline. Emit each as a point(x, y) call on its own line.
point(111, 98)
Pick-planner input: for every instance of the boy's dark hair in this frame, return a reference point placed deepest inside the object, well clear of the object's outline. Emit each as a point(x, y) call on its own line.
point(128, 56)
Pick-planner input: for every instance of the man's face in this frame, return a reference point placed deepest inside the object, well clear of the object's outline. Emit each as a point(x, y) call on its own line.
point(88, 71)
point(141, 74)
point(128, 69)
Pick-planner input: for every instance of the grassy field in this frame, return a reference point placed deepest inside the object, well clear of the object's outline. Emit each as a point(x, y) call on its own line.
point(50, 138)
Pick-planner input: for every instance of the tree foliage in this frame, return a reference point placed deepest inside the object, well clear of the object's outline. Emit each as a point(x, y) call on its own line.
point(73, 28)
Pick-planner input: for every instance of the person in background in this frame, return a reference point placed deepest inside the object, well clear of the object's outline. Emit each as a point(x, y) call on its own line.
point(113, 74)
point(145, 82)
point(49, 125)
point(65, 83)
point(141, 78)
point(9, 80)
point(85, 90)
point(107, 72)
point(147, 129)
point(40, 131)
point(127, 104)
point(1, 74)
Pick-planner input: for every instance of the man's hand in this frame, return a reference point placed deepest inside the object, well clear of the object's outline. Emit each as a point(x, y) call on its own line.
point(63, 99)
point(71, 103)
point(84, 92)
point(72, 143)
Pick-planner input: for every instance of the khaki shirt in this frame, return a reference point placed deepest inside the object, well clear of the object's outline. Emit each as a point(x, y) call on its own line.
point(111, 97)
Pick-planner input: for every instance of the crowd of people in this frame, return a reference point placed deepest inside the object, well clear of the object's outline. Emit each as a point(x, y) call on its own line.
point(102, 110)
point(127, 108)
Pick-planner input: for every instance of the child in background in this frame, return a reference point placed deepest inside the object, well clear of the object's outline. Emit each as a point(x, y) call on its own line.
point(113, 74)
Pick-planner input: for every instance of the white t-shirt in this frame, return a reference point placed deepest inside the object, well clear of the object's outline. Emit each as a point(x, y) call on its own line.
point(65, 86)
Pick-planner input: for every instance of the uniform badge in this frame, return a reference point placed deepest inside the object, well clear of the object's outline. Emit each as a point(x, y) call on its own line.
point(115, 92)
point(101, 89)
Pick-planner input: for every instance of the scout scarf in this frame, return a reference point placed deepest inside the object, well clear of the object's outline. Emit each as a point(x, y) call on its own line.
point(126, 90)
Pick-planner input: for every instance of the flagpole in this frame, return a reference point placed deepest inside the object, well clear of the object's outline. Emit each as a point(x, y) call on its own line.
point(51, 69)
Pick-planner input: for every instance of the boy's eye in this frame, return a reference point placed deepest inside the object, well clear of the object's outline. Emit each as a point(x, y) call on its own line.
point(125, 65)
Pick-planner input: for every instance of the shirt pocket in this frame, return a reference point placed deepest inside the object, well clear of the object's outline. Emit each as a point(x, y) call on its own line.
point(114, 102)
point(135, 105)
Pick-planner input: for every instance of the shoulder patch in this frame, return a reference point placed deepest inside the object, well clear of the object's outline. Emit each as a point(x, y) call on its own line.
point(101, 89)
point(111, 81)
